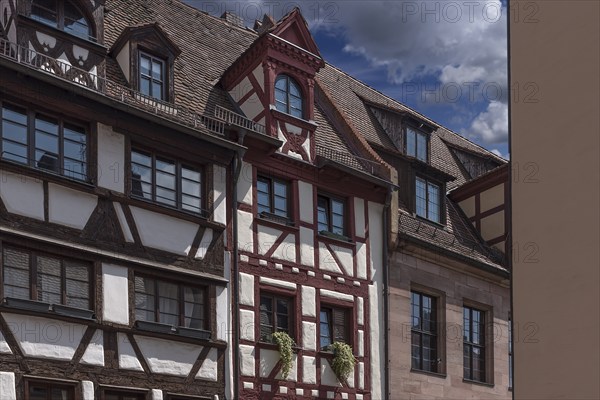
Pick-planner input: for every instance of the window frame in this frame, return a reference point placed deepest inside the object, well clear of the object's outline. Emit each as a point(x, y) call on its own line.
point(484, 346)
point(207, 321)
point(179, 166)
point(29, 382)
point(61, 15)
point(271, 214)
point(287, 105)
point(440, 209)
point(329, 214)
point(140, 394)
point(332, 309)
point(32, 115)
point(164, 74)
point(417, 133)
point(275, 296)
point(33, 275)
point(432, 334)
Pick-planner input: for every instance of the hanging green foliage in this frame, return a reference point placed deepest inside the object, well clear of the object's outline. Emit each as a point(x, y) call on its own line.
point(343, 360)
point(285, 344)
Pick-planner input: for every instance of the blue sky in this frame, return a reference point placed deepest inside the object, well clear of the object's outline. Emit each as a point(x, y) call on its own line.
point(445, 59)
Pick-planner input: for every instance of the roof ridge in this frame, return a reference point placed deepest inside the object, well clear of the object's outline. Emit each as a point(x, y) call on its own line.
point(408, 108)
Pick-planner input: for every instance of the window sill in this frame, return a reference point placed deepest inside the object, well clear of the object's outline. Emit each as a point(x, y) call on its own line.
point(436, 374)
point(478, 383)
point(157, 327)
point(274, 346)
point(277, 223)
point(48, 308)
point(301, 122)
point(334, 238)
point(42, 174)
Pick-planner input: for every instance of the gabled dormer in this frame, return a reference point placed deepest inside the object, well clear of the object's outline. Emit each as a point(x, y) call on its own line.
point(146, 56)
point(272, 83)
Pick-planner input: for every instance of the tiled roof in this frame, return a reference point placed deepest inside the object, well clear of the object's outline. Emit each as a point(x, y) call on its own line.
point(209, 45)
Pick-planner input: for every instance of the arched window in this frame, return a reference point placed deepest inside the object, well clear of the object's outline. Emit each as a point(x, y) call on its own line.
point(63, 15)
point(288, 97)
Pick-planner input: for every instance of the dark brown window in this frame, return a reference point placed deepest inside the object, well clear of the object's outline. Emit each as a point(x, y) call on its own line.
point(276, 314)
point(122, 395)
point(170, 303)
point(474, 344)
point(50, 279)
point(63, 15)
point(424, 332)
point(333, 325)
point(428, 200)
point(273, 197)
point(37, 390)
point(152, 76)
point(166, 181)
point(43, 142)
point(331, 215)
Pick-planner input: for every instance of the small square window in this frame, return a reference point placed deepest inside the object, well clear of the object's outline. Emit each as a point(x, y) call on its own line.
point(276, 315)
point(333, 326)
point(331, 215)
point(272, 197)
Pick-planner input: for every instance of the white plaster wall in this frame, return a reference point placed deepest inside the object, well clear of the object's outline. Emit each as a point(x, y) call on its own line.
point(346, 259)
point(361, 375)
point(127, 357)
point(156, 394)
point(307, 247)
point(359, 217)
point(4, 348)
point(69, 207)
point(360, 338)
point(360, 310)
point(305, 201)
point(309, 307)
point(492, 226)
point(207, 238)
point(287, 249)
point(111, 159)
point(244, 184)
point(87, 390)
point(240, 89)
point(252, 106)
point(309, 370)
point(94, 353)
point(246, 289)
point(208, 370)
point(328, 377)
point(222, 313)
point(44, 337)
point(46, 40)
point(336, 295)
point(219, 194)
point(259, 74)
point(268, 360)
point(245, 235)
point(115, 294)
point(168, 357)
point(326, 260)
point(309, 335)
point(123, 222)
point(164, 232)
point(361, 260)
point(266, 237)
point(7, 386)
point(468, 206)
point(491, 198)
point(276, 282)
point(123, 60)
point(247, 362)
point(247, 325)
point(22, 195)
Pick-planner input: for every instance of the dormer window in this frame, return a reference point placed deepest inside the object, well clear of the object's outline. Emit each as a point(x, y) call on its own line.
point(288, 96)
point(428, 200)
point(152, 76)
point(63, 15)
point(416, 144)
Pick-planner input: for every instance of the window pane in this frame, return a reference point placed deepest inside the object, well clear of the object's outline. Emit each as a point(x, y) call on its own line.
point(157, 90)
point(168, 303)
point(14, 152)
point(410, 142)
point(145, 65)
point(78, 287)
point(421, 198)
point(194, 308)
point(325, 328)
point(16, 274)
point(14, 134)
point(49, 280)
point(145, 86)
point(157, 70)
point(266, 318)
point(433, 197)
point(45, 11)
point(281, 83)
point(322, 211)
point(144, 299)
point(421, 147)
point(75, 22)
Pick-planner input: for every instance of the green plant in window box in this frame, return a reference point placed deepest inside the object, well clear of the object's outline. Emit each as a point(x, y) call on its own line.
point(343, 360)
point(285, 344)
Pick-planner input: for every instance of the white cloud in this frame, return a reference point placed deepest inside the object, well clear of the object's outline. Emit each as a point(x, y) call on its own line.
point(491, 125)
point(499, 154)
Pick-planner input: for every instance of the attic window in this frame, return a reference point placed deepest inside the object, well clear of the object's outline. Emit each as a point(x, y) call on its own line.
point(428, 200)
point(416, 144)
point(152, 76)
point(288, 96)
point(63, 15)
